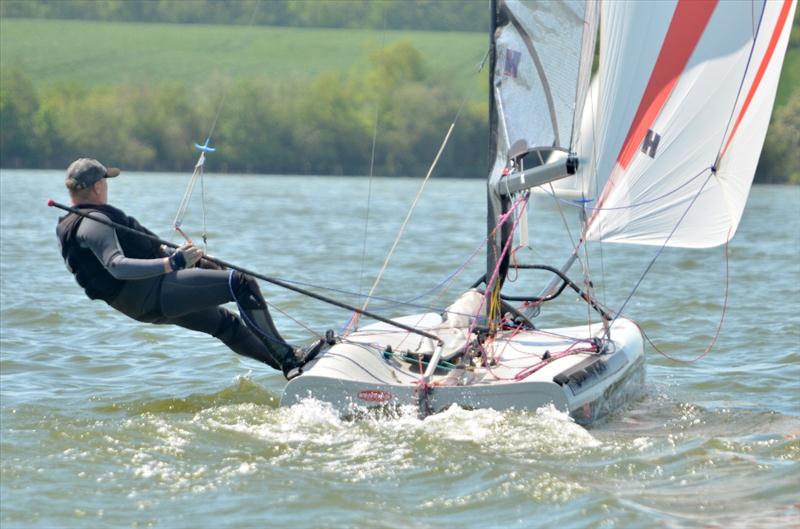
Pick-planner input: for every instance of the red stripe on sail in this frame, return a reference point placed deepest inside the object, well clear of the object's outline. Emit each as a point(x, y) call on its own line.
point(688, 23)
point(773, 43)
point(687, 26)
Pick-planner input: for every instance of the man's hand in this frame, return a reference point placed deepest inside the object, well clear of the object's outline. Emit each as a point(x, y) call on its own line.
point(185, 256)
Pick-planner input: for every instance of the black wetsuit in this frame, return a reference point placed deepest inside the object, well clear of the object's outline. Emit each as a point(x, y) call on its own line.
point(128, 274)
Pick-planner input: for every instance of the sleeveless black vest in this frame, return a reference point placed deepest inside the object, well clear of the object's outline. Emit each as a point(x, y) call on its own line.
point(89, 272)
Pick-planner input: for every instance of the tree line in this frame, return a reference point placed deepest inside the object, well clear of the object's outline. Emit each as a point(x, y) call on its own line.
point(322, 126)
point(422, 15)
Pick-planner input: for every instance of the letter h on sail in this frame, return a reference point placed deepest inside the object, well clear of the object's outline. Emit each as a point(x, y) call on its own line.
point(512, 63)
point(650, 143)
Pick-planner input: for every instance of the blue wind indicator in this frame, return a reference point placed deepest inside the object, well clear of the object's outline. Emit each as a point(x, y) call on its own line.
point(205, 147)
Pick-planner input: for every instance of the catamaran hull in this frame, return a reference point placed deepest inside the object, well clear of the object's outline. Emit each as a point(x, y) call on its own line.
point(353, 378)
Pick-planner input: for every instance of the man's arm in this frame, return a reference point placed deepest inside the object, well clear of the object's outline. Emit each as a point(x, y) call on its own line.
point(102, 241)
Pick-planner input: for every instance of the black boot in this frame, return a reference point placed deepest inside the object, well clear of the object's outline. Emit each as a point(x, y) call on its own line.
point(294, 361)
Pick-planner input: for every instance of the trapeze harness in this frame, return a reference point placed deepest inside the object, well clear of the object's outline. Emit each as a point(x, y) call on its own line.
point(127, 272)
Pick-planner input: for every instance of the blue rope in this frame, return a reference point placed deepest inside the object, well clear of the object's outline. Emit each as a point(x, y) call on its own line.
point(582, 202)
point(250, 323)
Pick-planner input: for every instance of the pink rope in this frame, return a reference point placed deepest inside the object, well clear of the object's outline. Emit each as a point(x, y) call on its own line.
point(528, 371)
point(501, 219)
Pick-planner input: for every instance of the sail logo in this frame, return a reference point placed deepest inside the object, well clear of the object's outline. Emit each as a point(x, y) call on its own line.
point(511, 66)
point(650, 143)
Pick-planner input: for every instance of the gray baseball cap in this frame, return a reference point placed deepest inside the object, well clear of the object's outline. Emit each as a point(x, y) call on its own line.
point(85, 172)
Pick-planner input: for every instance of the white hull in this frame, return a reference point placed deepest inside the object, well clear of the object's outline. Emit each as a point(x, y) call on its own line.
point(357, 374)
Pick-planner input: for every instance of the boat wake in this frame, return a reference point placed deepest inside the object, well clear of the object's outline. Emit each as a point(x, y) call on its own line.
point(317, 425)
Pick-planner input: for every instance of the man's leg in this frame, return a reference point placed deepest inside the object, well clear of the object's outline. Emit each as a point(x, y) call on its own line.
point(253, 309)
point(228, 328)
point(254, 312)
point(187, 292)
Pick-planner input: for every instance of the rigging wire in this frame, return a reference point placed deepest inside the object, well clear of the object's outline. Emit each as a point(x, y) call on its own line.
point(494, 303)
point(371, 169)
point(594, 165)
point(563, 217)
point(582, 203)
point(313, 332)
point(397, 302)
point(354, 321)
point(199, 168)
point(713, 342)
point(187, 195)
point(583, 261)
point(723, 145)
point(664, 244)
point(355, 318)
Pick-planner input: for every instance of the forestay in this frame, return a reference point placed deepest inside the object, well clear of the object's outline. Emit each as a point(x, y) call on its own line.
point(685, 92)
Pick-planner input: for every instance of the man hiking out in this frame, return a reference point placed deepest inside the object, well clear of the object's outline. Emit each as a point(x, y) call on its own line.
point(155, 284)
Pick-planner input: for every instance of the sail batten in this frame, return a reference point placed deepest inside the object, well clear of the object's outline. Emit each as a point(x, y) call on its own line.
point(537, 63)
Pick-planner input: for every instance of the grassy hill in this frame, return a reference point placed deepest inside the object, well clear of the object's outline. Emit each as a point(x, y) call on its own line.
point(103, 53)
point(107, 53)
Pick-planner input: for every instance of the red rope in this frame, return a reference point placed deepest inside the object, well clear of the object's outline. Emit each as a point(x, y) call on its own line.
point(719, 325)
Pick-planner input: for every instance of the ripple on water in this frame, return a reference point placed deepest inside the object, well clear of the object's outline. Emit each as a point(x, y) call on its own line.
point(111, 423)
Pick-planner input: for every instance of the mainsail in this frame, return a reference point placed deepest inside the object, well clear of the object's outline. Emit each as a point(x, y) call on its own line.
point(542, 66)
point(685, 92)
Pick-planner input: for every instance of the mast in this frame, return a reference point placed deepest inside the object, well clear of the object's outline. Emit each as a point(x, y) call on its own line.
point(540, 67)
point(496, 204)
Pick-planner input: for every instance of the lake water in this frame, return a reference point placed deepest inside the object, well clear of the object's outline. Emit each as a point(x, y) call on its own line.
point(110, 423)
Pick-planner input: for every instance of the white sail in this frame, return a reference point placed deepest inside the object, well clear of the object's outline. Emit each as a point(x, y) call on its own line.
point(685, 94)
point(541, 73)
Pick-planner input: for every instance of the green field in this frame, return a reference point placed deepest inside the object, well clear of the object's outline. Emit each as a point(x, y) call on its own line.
point(102, 53)
point(98, 53)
